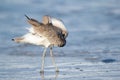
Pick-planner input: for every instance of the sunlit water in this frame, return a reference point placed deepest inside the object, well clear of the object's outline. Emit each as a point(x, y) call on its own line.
point(93, 40)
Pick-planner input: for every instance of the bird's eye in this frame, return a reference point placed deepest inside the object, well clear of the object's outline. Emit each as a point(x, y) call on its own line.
point(63, 35)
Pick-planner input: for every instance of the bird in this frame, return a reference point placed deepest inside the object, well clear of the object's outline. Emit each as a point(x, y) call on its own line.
point(50, 32)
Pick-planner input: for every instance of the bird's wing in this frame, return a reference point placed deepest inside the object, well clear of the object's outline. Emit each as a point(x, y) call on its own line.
point(33, 22)
point(57, 22)
point(35, 26)
point(53, 34)
point(41, 29)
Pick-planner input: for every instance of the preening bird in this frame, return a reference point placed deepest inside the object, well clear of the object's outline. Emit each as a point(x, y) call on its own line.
point(48, 33)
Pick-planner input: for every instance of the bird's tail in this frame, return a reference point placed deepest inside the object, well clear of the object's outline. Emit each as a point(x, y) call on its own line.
point(18, 39)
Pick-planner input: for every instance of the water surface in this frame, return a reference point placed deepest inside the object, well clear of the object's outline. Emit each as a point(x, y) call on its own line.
point(93, 45)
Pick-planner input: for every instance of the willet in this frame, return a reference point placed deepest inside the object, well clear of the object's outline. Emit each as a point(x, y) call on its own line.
point(48, 33)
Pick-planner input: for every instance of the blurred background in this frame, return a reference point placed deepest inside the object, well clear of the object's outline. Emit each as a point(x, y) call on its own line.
point(94, 26)
point(92, 51)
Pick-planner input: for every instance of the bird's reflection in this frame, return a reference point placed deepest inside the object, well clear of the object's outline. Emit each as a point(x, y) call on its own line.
point(45, 76)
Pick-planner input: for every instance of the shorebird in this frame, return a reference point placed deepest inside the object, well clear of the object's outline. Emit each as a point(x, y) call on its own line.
point(48, 33)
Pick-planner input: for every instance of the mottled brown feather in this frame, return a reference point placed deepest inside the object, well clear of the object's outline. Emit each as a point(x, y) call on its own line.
point(52, 33)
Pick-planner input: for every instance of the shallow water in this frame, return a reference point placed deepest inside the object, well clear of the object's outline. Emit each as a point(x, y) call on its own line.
point(92, 51)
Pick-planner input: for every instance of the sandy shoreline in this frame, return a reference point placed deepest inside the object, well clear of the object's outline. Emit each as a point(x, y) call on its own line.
point(72, 68)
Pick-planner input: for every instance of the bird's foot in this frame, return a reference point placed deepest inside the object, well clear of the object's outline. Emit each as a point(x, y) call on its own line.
point(57, 70)
point(41, 71)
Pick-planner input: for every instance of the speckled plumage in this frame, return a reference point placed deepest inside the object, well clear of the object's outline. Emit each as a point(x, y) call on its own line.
point(48, 30)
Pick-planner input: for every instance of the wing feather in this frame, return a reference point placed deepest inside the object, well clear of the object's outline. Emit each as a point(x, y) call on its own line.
point(33, 22)
point(59, 24)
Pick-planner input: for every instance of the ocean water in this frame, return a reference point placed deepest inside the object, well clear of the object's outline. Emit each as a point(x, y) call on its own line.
point(93, 26)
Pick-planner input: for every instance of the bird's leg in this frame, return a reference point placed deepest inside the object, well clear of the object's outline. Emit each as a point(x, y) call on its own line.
point(43, 60)
point(53, 60)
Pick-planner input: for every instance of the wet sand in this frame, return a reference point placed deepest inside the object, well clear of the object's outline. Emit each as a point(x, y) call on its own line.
point(25, 67)
point(92, 51)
